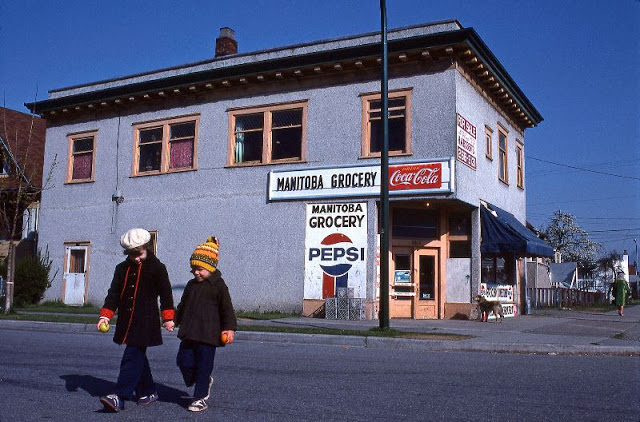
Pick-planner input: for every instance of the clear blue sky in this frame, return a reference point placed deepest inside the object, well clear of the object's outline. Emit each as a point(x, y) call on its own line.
point(577, 61)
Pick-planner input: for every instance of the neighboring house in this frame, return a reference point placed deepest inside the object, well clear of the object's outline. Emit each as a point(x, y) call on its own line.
point(22, 138)
point(277, 153)
point(564, 275)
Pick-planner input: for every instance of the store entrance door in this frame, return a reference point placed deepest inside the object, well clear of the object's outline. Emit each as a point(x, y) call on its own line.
point(426, 299)
point(414, 283)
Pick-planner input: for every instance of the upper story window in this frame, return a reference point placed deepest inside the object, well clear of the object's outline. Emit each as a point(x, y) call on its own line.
point(81, 158)
point(268, 134)
point(503, 156)
point(520, 164)
point(165, 146)
point(488, 142)
point(399, 118)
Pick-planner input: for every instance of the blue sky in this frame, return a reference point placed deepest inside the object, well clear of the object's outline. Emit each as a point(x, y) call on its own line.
point(577, 61)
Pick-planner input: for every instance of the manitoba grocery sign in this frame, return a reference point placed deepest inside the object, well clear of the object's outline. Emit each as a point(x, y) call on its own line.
point(362, 181)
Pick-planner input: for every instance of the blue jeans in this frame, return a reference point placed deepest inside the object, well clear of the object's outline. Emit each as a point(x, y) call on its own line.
point(135, 374)
point(195, 361)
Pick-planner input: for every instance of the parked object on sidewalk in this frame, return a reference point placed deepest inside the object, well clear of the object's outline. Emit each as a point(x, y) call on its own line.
point(487, 307)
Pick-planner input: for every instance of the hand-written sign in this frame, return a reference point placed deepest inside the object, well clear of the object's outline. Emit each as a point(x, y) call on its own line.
point(466, 151)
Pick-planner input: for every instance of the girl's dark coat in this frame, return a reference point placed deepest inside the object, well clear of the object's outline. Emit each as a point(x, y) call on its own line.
point(205, 310)
point(138, 315)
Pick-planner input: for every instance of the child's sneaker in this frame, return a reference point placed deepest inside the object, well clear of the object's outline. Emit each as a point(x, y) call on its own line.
point(209, 389)
point(198, 406)
point(112, 402)
point(147, 400)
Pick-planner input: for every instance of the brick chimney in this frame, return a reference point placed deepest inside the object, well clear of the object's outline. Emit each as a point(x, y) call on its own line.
point(225, 43)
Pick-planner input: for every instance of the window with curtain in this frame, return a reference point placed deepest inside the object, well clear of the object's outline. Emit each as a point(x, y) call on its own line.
point(81, 157)
point(166, 146)
point(268, 134)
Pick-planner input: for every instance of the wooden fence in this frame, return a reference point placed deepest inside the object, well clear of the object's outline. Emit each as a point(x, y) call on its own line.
point(563, 298)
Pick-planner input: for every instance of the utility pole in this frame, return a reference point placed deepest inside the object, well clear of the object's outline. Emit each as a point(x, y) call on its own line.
point(384, 179)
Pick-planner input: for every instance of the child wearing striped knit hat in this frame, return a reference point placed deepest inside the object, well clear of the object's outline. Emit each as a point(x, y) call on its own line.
point(206, 321)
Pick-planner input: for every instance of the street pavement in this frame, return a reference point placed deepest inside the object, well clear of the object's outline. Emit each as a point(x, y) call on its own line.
point(561, 332)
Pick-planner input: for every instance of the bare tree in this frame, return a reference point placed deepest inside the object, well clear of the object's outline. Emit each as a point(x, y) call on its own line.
point(22, 191)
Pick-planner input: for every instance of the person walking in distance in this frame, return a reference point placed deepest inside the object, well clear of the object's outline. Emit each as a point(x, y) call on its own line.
point(620, 291)
point(137, 283)
point(206, 321)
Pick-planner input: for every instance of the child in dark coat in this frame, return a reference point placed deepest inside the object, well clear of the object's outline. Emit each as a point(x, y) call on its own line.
point(137, 283)
point(205, 314)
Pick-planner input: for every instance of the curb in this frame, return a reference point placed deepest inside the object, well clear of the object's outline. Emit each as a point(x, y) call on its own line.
point(371, 342)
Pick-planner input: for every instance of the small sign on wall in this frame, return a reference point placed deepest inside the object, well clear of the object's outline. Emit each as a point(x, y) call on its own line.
point(467, 142)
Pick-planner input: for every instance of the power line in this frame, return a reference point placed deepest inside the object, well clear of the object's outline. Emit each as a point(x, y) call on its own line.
point(584, 169)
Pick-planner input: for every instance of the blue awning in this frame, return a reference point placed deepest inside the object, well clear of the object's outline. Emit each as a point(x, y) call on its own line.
point(503, 234)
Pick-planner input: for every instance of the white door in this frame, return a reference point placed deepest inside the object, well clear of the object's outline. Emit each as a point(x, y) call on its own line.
point(74, 276)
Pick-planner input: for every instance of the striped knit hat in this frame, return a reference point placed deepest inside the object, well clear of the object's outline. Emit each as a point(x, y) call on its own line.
point(206, 255)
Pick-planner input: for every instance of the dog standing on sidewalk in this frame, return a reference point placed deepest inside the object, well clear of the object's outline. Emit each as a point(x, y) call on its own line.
point(487, 306)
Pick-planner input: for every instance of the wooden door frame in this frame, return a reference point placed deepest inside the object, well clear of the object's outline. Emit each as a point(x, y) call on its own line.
point(68, 246)
point(434, 252)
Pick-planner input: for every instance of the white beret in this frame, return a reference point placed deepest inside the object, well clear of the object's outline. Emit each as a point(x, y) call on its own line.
point(134, 238)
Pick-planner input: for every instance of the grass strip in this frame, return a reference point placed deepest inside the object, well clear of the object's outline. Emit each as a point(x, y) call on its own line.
point(374, 332)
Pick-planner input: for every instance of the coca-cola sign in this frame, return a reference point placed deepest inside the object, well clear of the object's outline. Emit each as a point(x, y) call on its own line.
point(415, 176)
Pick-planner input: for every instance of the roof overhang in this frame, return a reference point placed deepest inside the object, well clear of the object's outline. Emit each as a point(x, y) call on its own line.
point(412, 45)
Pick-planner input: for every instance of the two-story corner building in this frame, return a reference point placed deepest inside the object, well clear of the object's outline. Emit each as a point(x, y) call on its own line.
point(277, 153)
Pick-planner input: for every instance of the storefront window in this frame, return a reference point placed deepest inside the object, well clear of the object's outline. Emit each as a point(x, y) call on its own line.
point(498, 270)
point(414, 223)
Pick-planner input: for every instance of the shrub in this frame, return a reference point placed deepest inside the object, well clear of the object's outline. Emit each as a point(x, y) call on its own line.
point(32, 278)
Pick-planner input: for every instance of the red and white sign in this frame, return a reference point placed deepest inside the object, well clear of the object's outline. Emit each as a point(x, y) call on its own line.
point(467, 142)
point(426, 177)
point(415, 176)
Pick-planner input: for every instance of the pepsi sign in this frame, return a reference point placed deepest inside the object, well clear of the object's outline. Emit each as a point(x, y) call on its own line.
point(335, 254)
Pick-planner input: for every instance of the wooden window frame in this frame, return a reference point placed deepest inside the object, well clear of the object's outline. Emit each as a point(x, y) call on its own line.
point(267, 133)
point(503, 156)
point(488, 142)
point(72, 137)
point(165, 157)
point(519, 164)
point(154, 241)
point(366, 100)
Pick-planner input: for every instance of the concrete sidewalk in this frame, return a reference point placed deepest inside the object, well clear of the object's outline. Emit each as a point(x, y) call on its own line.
point(565, 332)
point(548, 332)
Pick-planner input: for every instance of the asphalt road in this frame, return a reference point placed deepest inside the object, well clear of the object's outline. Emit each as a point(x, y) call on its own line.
point(58, 376)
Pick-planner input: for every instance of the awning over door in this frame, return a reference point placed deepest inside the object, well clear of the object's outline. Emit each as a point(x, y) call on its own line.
point(503, 234)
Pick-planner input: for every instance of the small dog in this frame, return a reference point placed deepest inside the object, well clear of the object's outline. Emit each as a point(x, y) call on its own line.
point(487, 306)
